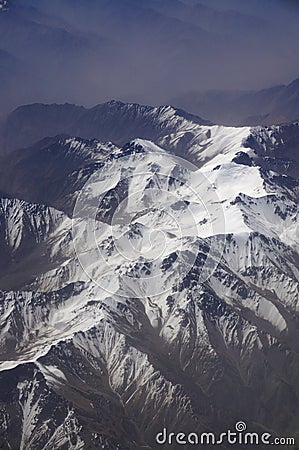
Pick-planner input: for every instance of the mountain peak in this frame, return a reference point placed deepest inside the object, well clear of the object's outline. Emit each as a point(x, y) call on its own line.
point(113, 102)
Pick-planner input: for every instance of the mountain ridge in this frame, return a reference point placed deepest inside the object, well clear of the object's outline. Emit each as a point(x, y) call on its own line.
point(36, 121)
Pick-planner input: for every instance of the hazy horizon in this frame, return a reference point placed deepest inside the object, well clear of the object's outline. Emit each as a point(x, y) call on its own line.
point(143, 51)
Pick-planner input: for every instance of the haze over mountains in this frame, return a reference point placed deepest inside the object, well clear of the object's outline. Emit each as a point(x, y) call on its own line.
point(279, 104)
point(151, 52)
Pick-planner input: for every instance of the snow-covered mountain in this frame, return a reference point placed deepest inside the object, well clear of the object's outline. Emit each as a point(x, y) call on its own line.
point(141, 290)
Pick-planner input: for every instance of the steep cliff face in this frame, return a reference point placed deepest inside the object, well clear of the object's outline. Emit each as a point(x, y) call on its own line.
point(170, 298)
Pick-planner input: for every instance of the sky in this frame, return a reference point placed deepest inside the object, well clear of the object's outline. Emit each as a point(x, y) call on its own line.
point(146, 51)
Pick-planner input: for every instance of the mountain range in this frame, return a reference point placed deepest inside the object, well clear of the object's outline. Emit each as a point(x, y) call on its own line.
point(149, 277)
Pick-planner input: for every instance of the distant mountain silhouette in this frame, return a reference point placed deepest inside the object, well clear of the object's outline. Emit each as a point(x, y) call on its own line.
point(275, 105)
